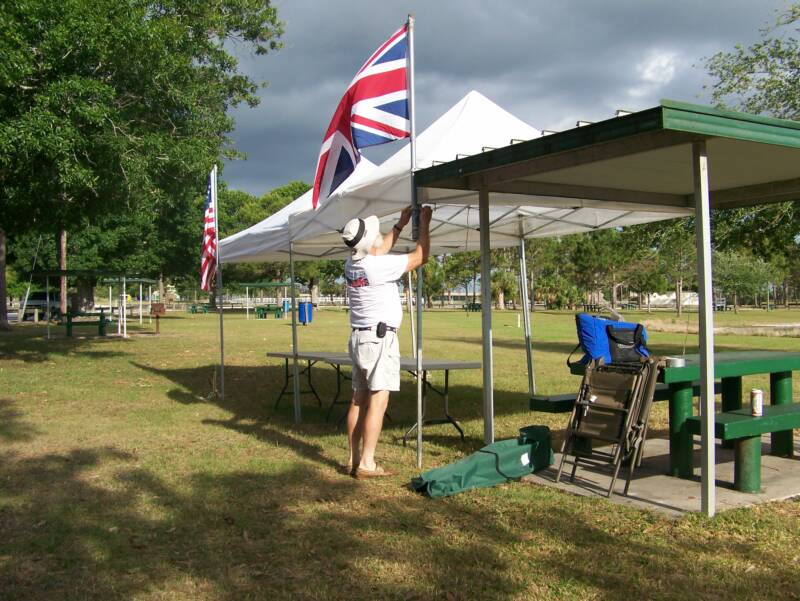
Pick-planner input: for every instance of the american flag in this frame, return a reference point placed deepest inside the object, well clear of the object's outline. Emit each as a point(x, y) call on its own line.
point(208, 257)
point(373, 110)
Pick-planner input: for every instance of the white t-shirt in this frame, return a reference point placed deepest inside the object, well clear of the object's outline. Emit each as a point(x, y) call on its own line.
point(372, 289)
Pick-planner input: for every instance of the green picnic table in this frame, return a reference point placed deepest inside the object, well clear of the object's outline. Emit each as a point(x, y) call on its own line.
point(730, 367)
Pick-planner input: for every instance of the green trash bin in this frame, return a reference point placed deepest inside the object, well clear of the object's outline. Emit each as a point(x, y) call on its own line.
point(494, 464)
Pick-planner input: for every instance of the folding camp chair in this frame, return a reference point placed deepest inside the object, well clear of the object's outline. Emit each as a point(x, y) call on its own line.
point(612, 407)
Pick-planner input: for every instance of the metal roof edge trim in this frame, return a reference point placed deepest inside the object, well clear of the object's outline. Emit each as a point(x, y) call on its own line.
point(719, 123)
point(728, 114)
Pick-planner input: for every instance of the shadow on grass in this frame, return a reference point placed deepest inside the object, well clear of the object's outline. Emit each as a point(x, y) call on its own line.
point(251, 393)
point(29, 345)
point(94, 524)
point(11, 428)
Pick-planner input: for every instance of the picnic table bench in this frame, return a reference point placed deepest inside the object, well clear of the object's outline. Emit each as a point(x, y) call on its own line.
point(70, 322)
point(472, 307)
point(729, 368)
point(194, 309)
point(263, 310)
point(591, 308)
point(745, 431)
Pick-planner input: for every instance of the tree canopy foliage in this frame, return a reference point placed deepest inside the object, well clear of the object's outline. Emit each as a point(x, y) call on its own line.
point(117, 106)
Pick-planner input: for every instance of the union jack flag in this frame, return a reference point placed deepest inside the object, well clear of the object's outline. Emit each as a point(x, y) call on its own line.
point(373, 110)
point(208, 256)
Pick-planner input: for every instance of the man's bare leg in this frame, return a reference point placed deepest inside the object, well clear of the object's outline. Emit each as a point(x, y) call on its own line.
point(372, 425)
point(355, 424)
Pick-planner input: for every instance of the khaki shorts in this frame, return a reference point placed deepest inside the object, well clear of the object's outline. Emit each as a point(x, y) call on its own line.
point(376, 361)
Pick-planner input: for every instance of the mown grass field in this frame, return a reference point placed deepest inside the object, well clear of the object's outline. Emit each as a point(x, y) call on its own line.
point(120, 478)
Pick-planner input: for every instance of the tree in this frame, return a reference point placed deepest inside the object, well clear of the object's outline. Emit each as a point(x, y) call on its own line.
point(114, 106)
point(677, 253)
point(762, 78)
point(739, 274)
point(461, 270)
point(434, 280)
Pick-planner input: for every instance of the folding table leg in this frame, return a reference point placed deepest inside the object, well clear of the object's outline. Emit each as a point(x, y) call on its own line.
point(285, 383)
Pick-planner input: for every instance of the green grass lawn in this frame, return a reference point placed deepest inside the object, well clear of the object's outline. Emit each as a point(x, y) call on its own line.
point(120, 479)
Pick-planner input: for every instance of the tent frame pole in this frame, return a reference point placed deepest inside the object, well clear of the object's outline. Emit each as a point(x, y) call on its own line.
point(526, 317)
point(703, 242)
point(295, 365)
point(486, 318)
point(410, 302)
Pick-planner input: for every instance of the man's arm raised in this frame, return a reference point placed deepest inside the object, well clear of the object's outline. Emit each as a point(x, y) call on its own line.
point(390, 239)
point(419, 256)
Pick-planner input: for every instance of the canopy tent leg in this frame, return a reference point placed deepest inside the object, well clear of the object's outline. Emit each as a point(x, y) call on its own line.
point(295, 367)
point(703, 241)
point(526, 317)
point(409, 298)
point(486, 314)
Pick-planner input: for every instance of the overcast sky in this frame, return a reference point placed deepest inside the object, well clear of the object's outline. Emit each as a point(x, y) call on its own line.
point(550, 63)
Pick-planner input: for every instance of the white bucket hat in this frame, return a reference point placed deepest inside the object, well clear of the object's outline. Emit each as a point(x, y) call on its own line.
point(361, 234)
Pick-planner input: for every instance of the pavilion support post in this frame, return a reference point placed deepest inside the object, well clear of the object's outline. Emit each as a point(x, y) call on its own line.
point(295, 365)
point(706, 297)
point(141, 302)
point(247, 302)
point(486, 307)
point(149, 305)
point(526, 317)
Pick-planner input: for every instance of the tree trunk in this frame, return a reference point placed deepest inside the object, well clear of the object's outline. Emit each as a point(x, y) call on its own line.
point(735, 303)
point(161, 288)
point(649, 308)
point(679, 296)
point(4, 326)
point(84, 298)
point(474, 285)
point(314, 286)
point(501, 300)
point(62, 265)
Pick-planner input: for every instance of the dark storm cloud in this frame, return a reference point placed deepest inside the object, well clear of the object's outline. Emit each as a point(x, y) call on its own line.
point(549, 63)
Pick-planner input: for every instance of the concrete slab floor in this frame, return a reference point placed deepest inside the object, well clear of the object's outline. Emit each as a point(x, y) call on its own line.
point(651, 488)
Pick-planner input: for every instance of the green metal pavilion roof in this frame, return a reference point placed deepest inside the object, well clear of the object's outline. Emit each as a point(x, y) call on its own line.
point(642, 158)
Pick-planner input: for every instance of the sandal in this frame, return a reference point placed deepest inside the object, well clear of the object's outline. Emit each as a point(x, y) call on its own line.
point(378, 472)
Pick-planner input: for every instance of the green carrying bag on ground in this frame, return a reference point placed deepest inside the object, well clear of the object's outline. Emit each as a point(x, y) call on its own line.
point(494, 464)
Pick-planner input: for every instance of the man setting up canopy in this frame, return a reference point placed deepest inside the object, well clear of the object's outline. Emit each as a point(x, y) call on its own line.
point(375, 316)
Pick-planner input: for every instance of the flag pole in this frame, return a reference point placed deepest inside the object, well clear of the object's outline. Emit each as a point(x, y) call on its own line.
point(219, 285)
point(415, 231)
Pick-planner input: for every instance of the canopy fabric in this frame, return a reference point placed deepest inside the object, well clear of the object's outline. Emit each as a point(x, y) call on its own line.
point(268, 240)
point(474, 125)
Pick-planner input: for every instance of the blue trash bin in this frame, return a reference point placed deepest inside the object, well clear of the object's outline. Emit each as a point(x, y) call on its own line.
point(310, 312)
point(302, 313)
point(287, 306)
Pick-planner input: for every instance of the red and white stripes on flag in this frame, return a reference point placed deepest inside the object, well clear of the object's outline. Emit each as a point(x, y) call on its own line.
point(373, 110)
point(208, 256)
